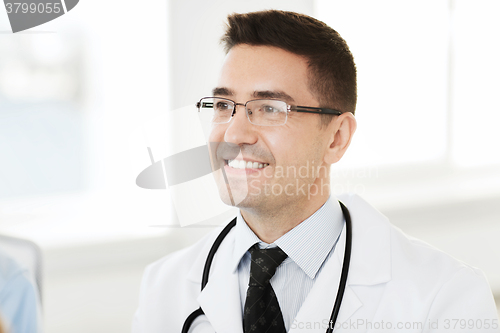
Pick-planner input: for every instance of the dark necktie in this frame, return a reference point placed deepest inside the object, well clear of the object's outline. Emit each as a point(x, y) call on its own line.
point(262, 312)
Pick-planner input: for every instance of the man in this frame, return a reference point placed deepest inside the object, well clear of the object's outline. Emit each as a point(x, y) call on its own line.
point(282, 113)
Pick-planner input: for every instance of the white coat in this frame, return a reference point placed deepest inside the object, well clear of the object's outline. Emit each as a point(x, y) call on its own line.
point(395, 283)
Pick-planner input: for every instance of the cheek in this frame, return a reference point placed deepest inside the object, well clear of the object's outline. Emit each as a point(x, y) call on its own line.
point(216, 134)
point(285, 149)
point(302, 148)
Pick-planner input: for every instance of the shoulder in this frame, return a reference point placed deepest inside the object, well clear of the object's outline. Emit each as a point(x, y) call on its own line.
point(12, 275)
point(18, 296)
point(426, 262)
point(426, 274)
point(450, 287)
point(183, 261)
point(8, 269)
point(176, 276)
point(407, 254)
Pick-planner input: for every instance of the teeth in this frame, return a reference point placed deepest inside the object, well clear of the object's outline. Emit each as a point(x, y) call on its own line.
point(240, 164)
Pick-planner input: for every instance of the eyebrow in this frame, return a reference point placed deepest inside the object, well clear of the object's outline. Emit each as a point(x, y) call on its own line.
point(273, 94)
point(222, 91)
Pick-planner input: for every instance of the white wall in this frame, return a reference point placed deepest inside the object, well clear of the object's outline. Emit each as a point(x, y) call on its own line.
point(141, 59)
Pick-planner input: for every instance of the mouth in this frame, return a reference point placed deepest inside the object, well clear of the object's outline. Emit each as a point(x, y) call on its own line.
point(243, 164)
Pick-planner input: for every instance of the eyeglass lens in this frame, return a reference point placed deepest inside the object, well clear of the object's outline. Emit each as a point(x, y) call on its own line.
point(262, 112)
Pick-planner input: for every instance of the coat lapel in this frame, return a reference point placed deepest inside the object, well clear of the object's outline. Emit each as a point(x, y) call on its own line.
point(220, 300)
point(315, 313)
point(370, 265)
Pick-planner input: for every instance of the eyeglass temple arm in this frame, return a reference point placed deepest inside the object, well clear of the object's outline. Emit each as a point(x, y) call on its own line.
point(311, 109)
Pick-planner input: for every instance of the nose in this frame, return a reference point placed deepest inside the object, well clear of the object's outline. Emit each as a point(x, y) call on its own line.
point(239, 130)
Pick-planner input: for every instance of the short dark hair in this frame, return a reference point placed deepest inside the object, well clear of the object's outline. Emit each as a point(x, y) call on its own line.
point(332, 72)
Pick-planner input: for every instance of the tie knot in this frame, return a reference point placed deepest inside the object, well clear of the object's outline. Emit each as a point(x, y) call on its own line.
point(264, 264)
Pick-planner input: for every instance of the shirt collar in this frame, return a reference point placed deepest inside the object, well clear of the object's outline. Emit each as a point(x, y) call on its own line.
point(308, 244)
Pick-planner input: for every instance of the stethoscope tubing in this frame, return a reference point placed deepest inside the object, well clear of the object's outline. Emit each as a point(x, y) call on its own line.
point(206, 272)
point(343, 278)
point(345, 268)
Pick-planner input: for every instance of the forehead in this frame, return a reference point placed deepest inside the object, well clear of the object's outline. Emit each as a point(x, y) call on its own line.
point(248, 69)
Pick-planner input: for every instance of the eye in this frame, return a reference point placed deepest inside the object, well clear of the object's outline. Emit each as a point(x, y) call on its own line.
point(270, 109)
point(223, 106)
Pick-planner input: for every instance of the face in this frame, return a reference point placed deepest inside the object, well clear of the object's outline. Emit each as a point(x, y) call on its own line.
point(286, 157)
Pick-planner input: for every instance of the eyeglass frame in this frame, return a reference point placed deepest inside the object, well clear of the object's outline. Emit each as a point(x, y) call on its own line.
point(289, 108)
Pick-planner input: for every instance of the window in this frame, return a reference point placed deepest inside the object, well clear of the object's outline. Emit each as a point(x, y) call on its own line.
point(427, 85)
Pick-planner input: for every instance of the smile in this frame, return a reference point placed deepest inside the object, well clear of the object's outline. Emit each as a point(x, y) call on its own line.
point(241, 164)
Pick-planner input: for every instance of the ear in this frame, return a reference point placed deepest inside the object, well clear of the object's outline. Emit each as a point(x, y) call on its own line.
point(341, 131)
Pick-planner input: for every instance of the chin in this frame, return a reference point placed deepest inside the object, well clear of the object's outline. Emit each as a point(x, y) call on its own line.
point(233, 194)
point(237, 196)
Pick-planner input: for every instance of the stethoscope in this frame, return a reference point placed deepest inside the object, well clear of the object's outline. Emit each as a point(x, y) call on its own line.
point(343, 276)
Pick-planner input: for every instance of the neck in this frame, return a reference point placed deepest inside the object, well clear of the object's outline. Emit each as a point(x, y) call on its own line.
point(271, 224)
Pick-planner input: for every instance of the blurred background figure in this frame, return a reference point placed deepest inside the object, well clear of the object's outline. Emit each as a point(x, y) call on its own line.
point(19, 301)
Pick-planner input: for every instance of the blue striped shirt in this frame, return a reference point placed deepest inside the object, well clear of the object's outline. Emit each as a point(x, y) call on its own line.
point(308, 246)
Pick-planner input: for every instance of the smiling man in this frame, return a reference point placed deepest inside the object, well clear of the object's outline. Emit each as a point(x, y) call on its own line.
point(282, 113)
point(283, 142)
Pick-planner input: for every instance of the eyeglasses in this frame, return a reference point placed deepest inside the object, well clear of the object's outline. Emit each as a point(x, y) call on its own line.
point(262, 112)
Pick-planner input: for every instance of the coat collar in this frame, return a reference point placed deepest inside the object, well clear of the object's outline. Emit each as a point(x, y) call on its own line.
point(371, 243)
point(308, 244)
